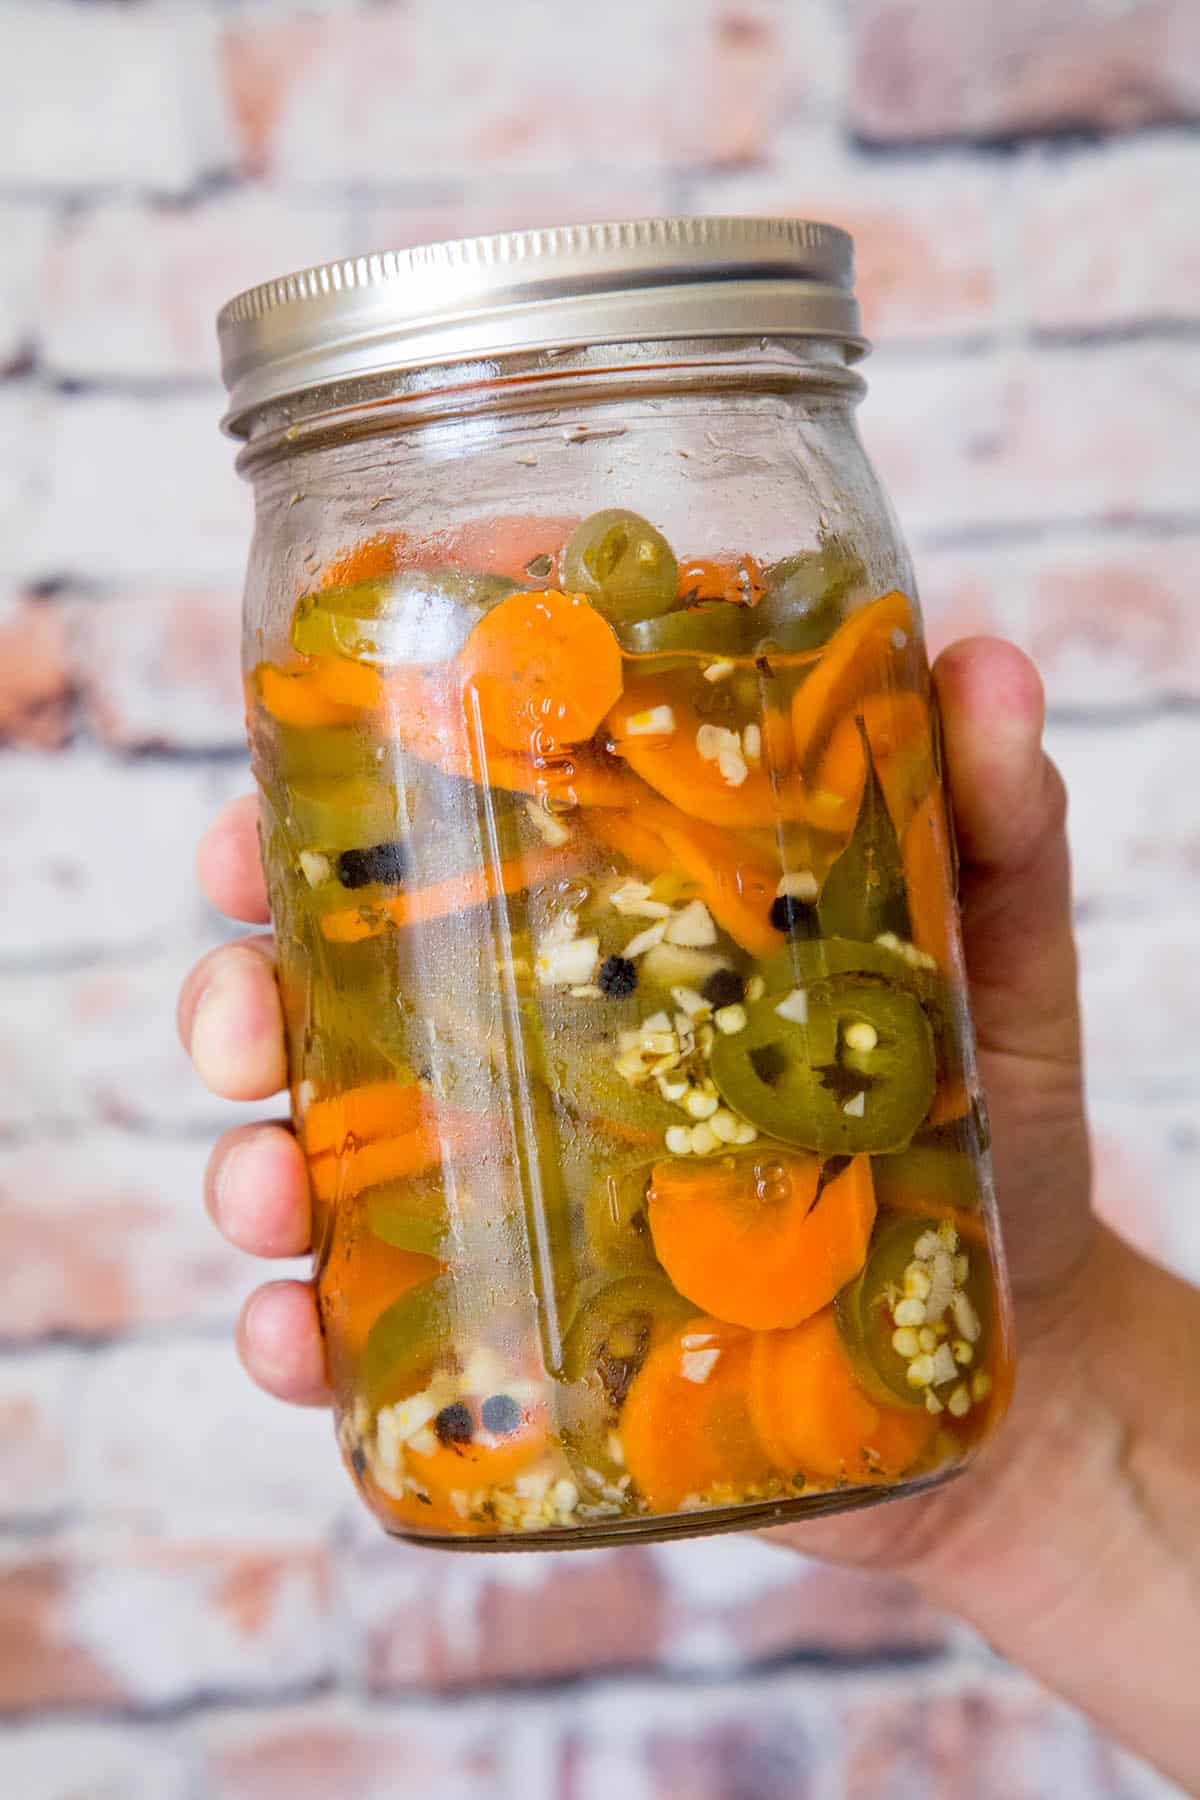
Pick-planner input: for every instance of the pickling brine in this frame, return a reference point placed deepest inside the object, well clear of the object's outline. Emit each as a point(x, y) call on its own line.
point(614, 894)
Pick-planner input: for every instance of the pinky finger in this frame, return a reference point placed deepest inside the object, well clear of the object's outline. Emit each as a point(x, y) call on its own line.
point(279, 1342)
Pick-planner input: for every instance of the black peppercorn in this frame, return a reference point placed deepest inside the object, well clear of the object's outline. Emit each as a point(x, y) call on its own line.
point(618, 977)
point(500, 1414)
point(454, 1424)
point(379, 862)
point(724, 987)
point(797, 917)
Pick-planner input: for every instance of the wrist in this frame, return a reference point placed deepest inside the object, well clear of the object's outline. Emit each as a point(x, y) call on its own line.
point(1078, 1554)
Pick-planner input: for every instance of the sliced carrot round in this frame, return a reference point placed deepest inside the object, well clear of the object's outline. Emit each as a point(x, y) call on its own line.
point(671, 762)
point(857, 659)
point(357, 1285)
point(543, 669)
point(900, 735)
point(685, 1428)
point(756, 1240)
point(299, 697)
point(487, 1459)
point(812, 1416)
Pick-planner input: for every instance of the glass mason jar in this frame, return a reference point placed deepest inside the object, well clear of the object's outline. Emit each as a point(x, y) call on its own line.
point(608, 857)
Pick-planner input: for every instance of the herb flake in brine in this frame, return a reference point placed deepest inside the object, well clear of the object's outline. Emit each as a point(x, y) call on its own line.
point(864, 893)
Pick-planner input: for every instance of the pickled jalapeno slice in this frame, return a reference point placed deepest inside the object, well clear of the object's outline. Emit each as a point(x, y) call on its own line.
point(844, 1065)
point(614, 1331)
point(410, 1215)
point(915, 1319)
point(805, 596)
point(420, 615)
point(719, 629)
point(626, 568)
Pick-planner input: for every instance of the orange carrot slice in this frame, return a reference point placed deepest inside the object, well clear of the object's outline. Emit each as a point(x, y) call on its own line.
point(736, 882)
point(929, 875)
point(672, 764)
point(686, 1427)
point(423, 1131)
point(370, 560)
point(409, 1513)
point(756, 1240)
point(710, 578)
point(542, 670)
point(487, 1460)
point(358, 1286)
point(299, 697)
point(473, 887)
point(424, 711)
point(900, 735)
point(504, 544)
point(857, 659)
point(812, 1416)
point(377, 1109)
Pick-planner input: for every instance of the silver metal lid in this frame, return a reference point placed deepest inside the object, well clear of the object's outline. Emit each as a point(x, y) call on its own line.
point(644, 279)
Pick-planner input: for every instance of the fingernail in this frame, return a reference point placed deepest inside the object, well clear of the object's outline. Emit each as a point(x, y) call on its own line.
point(230, 1216)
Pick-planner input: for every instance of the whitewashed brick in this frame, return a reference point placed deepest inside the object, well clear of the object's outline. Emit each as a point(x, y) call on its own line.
point(37, 1417)
point(177, 683)
point(1141, 1005)
point(25, 233)
point(25, 415)
point(105, 861)
point(175, 1434)
point(140, 489)
point(63, 1760)
point(97, 1046)
point(133, 290)
point(1146, 1158)
point(107, 1233)
point(106, 94)
point(1026, 436)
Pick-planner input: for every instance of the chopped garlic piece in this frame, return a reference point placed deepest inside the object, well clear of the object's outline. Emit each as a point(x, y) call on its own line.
point(692, 926)
point(690, 1002)
point(801, 884)
point(656, 721)
point(645, 940)
point(965, 1317)
point(944, 1366)
point(932, 1403)
point(633, 898)
point(315, 867)
point(752, 744)
point(656, 1022)
point(795, 1007)
point(730, 1019)
point(568, 964)
point(551, 830)
point(756, 987)
point(926, 1246)
point(674, 1091)
point(719, 671)
point(856, 1108)
point(713, 740)
point(920, 1372)
point(733, 767)
point(698, 1365)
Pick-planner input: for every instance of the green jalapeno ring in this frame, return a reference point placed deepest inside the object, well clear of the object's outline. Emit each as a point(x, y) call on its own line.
point(613, 1330)
point(623, 565)
point(416, 616)
point(793, 1079)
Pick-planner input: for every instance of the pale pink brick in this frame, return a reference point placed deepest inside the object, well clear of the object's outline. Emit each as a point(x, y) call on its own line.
point(35, 682)
point(133, 290)
point(80, 875)
point(483, 206)
point(1113, 621)
point(1111, 236)
point(107, 1234)
point(107, 94)
point(1034, 435)
point(174, 1434)
point(923, 234)
point(177, 682)
point(108, 1618)
point(82, 1046)
point(921, 70)
point(332, 1749)
point(1141, 995)
point(139, 489)
point(971, 593)
point(64, 1760)
point(384, 96)
point(37, 1407)
point(25, 420)
point(1146, 1158)
point(26, 233)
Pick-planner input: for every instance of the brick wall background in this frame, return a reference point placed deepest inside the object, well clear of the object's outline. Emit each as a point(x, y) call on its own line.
point(191, 1607)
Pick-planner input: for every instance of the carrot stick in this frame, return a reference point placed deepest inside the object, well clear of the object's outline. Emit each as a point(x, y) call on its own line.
point(686, 1428)
point(473, 887)
point(708, 578)
point(543, 668)
point(900, 735)
point(377, 1109)
point(370, 560)
point(856, 660)
point(736, 882)
point(341, 1174)
point(929, 875)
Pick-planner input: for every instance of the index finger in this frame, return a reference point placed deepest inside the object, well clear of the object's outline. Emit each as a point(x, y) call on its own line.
point(229, 864)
